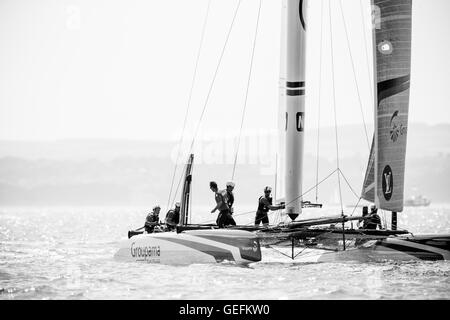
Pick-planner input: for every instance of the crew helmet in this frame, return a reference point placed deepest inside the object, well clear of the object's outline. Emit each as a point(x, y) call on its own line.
point(156, 207)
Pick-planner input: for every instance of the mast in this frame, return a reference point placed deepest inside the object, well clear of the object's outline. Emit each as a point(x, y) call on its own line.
point(185, 195)
point(295, 103)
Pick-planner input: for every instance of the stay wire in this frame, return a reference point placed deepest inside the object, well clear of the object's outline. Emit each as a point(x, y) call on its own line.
point(366, 47)
point(312, 188)
point(354, 74)
point(212, 84)
point(349, 185)
point(194, 78)
point(247, 90)
point(215, 74)
point(334, 106)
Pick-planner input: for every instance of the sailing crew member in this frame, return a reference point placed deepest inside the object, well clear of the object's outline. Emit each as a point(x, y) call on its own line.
point(173, 217)
point(224, 217)
point(230, 201)
point(152, 219)
point(365, 213)
point(230, 195)
point(264, 205)
point(374, 220)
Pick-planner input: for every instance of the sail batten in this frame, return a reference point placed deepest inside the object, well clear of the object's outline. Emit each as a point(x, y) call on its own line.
point(392, 46)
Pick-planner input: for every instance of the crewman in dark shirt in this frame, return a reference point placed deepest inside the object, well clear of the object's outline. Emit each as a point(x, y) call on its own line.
point(152, 220)
point(221, 204)
point(230, 201)
point(374, 220)
point(264, 205)
point(173, 217)
point(230, 195)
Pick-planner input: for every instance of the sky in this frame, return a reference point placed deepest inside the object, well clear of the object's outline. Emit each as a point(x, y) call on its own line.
point(84, 69)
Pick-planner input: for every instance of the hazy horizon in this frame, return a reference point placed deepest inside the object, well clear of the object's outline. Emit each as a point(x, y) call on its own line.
point(123, 70)
point(138, 172)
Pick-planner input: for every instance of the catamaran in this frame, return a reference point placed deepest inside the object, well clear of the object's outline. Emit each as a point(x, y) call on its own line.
point(190, 246)
point(384, 179)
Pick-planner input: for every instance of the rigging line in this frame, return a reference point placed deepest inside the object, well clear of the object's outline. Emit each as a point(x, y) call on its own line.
point(354, 209)
point(234, 215)
point(191, 191)
point(354, 74)
point(194, 78)
point(247, 90)
point(213, 82)
point(276, 177)
point(356, 195)
point(280, 252)
point(366, 47)
point(298, 254)
point(320, 98)
point(334, 106)
point(310, 189)
point(215, 74)
point(269, 213)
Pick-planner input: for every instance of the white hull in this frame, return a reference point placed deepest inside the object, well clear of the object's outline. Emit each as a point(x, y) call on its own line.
point(189, 247)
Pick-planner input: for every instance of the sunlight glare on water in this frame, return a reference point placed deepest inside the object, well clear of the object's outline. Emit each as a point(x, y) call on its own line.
point(67, 253)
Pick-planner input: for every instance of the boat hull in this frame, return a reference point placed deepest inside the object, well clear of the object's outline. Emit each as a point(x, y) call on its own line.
point(189, 247)
point(403, 248)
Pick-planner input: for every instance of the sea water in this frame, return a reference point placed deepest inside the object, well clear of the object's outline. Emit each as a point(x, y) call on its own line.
point(67, 253)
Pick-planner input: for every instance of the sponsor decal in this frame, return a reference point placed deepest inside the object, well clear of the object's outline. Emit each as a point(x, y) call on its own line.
point(387, 183)
point(144, 252)
point(301, 14)
point(397, 129)
point(300, 121)
point(287, 118)
point(385, 47)
point(255, 245)
point(253, 248)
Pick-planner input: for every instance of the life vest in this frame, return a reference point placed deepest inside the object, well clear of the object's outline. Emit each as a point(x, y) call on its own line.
point(221, 196)
point(173, 217)
point(230, 199)
point(152, 218)
point(261, 206)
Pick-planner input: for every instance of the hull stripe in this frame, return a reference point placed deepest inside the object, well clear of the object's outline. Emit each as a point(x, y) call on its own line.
point(253, 253)
point(218, 253)
point(413, 251)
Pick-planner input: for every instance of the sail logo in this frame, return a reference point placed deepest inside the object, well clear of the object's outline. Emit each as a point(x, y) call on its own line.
point(385, 47)
point(300, 121)
point(376, 17)
point(397, 129)
point(387, 183)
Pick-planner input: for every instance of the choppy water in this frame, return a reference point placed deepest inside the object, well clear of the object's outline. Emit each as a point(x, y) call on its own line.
point(67, 253)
